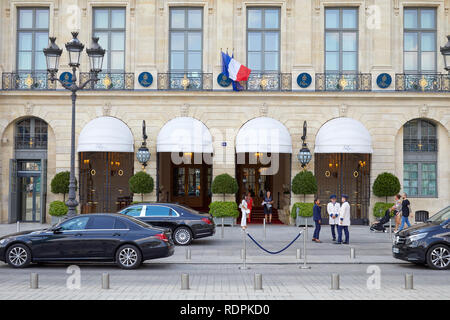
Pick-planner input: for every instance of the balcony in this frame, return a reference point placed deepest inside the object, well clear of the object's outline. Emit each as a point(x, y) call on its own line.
point(38, 80)
point(426, 82)
point(269, 82)
point(422, 145)
point(191, 81)
point(343, 82)
point(110, 81)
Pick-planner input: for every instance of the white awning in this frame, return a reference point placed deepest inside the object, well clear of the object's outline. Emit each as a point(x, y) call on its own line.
point(106, 134)
point(263, 135)
point(184, 134)
point(343, 135)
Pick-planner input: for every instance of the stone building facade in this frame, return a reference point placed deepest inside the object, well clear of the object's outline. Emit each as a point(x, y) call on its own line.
point(380, 78)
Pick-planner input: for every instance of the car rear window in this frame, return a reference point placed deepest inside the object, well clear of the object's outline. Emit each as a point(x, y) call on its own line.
point(120, 224)
point(101, 223)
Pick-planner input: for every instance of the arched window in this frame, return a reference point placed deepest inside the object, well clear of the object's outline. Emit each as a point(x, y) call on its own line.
point(31, 133)
point(420, 146)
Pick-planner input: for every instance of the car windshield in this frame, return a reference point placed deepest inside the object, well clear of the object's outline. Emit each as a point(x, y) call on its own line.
point(441, 216)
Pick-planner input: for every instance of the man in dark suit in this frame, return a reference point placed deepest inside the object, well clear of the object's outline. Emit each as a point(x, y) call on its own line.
point(317, 217)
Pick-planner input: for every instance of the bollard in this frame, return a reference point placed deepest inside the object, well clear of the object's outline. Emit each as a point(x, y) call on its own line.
point(258, 281)
point(352, 253)
point(34, 281)
point(244, 252)
point(18, 226)
point(299, 254)
point(409, 281)
point(335, 281)
point(305, 236)
point(105, 281)
point(188, 254)
point(222, 228)
point(185, 281)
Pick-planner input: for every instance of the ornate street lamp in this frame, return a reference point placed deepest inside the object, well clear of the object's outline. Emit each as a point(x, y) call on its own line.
point(304, 155)
point(52, 54)
point(143, 154)
point(445, 50)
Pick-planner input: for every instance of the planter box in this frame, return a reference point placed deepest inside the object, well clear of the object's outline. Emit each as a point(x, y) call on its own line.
point(227, 221)
point(301, 221)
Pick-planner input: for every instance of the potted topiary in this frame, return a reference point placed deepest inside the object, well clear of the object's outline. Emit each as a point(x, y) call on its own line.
point(60, 184)
point(141, 183)
point(303, 183)
point(57, 210)
point(385, 185)
point(224, 184)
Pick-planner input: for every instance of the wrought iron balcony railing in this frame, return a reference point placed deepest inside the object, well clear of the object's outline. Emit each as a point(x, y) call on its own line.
point(26, 142)
point(259, 81)
point(110, 81)
point(422, 145)
point(424, 82)
point(189, 81)
point(22, 80)
point(343, 82)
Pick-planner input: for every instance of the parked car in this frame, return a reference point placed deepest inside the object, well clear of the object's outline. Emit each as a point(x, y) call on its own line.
point(426, 243)
point(91, 237)
point(186, 223)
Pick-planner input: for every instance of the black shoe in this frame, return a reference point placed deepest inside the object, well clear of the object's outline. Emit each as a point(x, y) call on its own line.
point(345, 243)
point(337, 243)
point(334, 240)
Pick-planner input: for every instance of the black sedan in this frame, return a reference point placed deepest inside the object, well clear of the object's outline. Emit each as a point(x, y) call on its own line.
point(93, 237)
point(426, 243)
point(186, 224)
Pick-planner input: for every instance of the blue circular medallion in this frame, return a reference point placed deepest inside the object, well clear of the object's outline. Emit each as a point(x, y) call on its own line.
point(145, 79)
point(304, 80)
point(384, 80)
point(223, 80)
point(66, 78)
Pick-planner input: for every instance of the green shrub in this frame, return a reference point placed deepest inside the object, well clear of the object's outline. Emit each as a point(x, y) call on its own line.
point(306, 210)
point(224, 184)
point(58, 209)
point(386, 185)
point(221, 209)
point(60, 183)
point(304, 183)
point(380, 208)
point(141, 183)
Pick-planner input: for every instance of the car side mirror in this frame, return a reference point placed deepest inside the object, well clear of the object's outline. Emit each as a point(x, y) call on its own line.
point(57, 230)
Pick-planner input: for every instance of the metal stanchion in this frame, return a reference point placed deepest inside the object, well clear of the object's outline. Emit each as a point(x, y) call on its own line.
point(305, 236)
point(223, 228)
point(105, 281)
point(188, 254)
point(409, 281)
point(264, 228)
point(258, 281)
point(18, 226)
point(185, 281)
point(34, 281)
point(335, 281)
point(299, 254)
point(352, 253)
point(244, 252)
point(390, 229)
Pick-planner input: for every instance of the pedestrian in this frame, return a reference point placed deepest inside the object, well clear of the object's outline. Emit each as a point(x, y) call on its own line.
point(397, 209)
point(268, 203)
point(249, 205)
point(344, 221)
point(333, 208)
point(244, 211)
point(317, 217)
point(406, 210)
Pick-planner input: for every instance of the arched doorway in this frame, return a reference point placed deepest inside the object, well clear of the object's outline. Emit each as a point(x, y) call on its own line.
point(342, 160)
point(263, 163)
point(106, 162)
point(184, 161)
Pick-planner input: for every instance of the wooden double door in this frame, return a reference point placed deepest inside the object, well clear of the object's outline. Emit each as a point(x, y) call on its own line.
point(345, 173)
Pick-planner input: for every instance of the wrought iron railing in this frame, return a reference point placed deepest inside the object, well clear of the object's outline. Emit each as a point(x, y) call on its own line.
point(343, 82)
point(259, 81)
point(22, 80)
point(26, 141)
point(424, 82)
point(420, 145)
point(189, 81)
point(110, 81)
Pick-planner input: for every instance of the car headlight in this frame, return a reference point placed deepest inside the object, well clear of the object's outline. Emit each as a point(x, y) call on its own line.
point(417, 237)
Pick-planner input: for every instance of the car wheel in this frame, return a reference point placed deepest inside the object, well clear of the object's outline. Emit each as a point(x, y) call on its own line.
point(18, 256)
point(438, 257)
point(182, 236)
point(128, 257)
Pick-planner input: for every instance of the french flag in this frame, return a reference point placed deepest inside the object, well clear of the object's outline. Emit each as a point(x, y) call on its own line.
point(233, 69)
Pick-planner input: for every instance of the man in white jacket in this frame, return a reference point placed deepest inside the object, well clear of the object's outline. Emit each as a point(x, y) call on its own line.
point(333, 212)
point(344, 220)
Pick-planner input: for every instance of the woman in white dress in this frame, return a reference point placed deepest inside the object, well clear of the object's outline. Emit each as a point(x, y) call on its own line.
point(245, 211)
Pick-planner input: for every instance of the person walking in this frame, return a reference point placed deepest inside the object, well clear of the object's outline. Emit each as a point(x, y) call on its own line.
point(244, 210)
point(397, 209)
point(333, 208)
point(317, 217)
point(344, 221)
point(406, 210)
point(268, 203)
point(249, 206)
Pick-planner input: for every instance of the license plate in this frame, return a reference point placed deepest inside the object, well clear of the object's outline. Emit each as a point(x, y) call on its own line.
point(395, 250)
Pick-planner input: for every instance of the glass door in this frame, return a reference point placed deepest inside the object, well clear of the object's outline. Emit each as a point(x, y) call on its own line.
point(253, 179)
point(30, 198)
point(187, 186)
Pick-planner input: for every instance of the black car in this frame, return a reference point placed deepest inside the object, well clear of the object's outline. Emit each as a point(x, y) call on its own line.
point(426, 243)
point(92, 237)
point(186, 223)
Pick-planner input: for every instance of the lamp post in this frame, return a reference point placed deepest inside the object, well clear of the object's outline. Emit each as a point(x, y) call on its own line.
point(52, 54)
point(304, 155)
point(143, 154)
point(445, 51)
